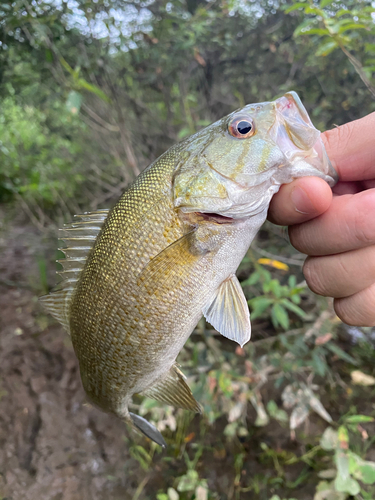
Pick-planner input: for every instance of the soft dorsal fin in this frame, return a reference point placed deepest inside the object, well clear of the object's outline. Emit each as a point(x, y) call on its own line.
point(173, 390)
point(228, 312)
point(79, 238)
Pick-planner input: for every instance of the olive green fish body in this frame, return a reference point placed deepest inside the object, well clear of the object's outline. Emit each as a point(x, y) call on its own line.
point(137, 279)
point(126, 331)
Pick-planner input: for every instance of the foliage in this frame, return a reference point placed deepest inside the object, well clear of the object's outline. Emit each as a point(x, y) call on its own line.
point(279, 299)
point(137, 78)
point(336, 26)
point(350, 467)
point(91, 92)
point(38, 158)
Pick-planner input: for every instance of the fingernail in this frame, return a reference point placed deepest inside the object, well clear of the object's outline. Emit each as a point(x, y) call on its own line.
point(302, 202)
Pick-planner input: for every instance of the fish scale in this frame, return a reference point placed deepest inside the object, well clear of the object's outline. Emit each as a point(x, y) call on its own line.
point(137, 278)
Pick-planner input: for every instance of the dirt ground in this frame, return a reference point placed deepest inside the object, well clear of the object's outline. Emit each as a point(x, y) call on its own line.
point(53, 445)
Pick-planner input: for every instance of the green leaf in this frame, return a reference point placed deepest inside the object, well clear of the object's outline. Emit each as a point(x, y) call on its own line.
point(347, 485)
point(292, 281)
point(329, 439)
point(344, 482)
point(189, 481)
point(362, 470)
point(298, 5)
point(301, 28)
point(275, 288)
point(342, 12)
point(313, 10)
point(251, 280)
point(358, 419)
point(326, 48)
point(294, 308)
point(277, 413)
point(259, 305)
point(324, 3)
point(316, 31)
point(341, 354)
point(93, 89)
point(352, 26)
point(279, 316)
point(319, 364)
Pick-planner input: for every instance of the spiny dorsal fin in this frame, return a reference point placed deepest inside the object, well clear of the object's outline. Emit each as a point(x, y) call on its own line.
point(228, 312)
point(79, 237)
point(174, 391)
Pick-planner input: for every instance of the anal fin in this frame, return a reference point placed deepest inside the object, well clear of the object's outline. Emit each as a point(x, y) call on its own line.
point(228, 312)
point(174, 391)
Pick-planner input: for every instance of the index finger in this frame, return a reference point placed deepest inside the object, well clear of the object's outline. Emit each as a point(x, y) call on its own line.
point(351, 149)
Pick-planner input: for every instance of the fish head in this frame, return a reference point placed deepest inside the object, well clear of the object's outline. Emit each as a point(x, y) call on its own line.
point(234, 166)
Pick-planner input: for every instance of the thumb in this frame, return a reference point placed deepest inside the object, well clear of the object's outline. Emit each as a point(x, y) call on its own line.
point(299, 201)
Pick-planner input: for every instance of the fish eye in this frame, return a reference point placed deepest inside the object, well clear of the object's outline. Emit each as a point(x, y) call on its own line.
point(241, 127)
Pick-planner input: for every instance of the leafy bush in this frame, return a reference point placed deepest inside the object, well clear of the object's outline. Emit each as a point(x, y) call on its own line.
point(38, 154)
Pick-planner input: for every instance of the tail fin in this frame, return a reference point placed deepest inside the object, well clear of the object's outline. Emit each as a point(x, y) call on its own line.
point(148, 429)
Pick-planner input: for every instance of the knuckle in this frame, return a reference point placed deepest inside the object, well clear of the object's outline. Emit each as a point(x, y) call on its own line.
point(364, 229)
point(337, 138)
point(297, 238)
point(344, 310)
point(358, 309)
point(313, 275)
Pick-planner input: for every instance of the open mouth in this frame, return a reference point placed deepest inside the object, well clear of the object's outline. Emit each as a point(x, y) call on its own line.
point(219, 219)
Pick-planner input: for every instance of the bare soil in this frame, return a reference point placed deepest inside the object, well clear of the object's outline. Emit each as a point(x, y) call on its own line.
point(53, 445)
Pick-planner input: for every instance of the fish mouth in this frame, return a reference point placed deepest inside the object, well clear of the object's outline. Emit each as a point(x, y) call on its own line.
point(213, 217)
point(296, 136)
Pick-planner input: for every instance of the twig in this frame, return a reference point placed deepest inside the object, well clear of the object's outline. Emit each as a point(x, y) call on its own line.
point(268, 340)
point(141, 487)
point(108, 126)
point(359, 69)
point(318, 324)
point(30, 214)
point(285, 260)
point(14, 284)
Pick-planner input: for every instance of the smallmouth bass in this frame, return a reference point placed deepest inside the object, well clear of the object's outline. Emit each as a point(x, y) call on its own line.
point(137, 278)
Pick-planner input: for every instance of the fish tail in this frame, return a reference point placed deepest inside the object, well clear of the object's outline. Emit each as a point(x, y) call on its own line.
point(147, 429)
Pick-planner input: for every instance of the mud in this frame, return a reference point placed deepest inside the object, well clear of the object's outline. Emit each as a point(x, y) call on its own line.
point(53, 445)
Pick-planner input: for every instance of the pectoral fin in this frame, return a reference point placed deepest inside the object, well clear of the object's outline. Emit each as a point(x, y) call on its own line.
point(174, 391)
point(228, 312)
point(170, 266)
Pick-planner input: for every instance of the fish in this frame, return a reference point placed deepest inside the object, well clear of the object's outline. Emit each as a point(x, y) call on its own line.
point(137, 278)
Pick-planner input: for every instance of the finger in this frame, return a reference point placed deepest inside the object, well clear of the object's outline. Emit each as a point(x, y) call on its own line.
point(348, 224)
point(368, 184)
point(357, 310)
point(341, 275)
point(347, 188)
point(351, 149)
point(299, 201)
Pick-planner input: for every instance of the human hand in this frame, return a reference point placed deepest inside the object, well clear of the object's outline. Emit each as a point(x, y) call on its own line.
point(337, 233)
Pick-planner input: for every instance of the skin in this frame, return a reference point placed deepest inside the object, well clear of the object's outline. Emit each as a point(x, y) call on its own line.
point(337, 230)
